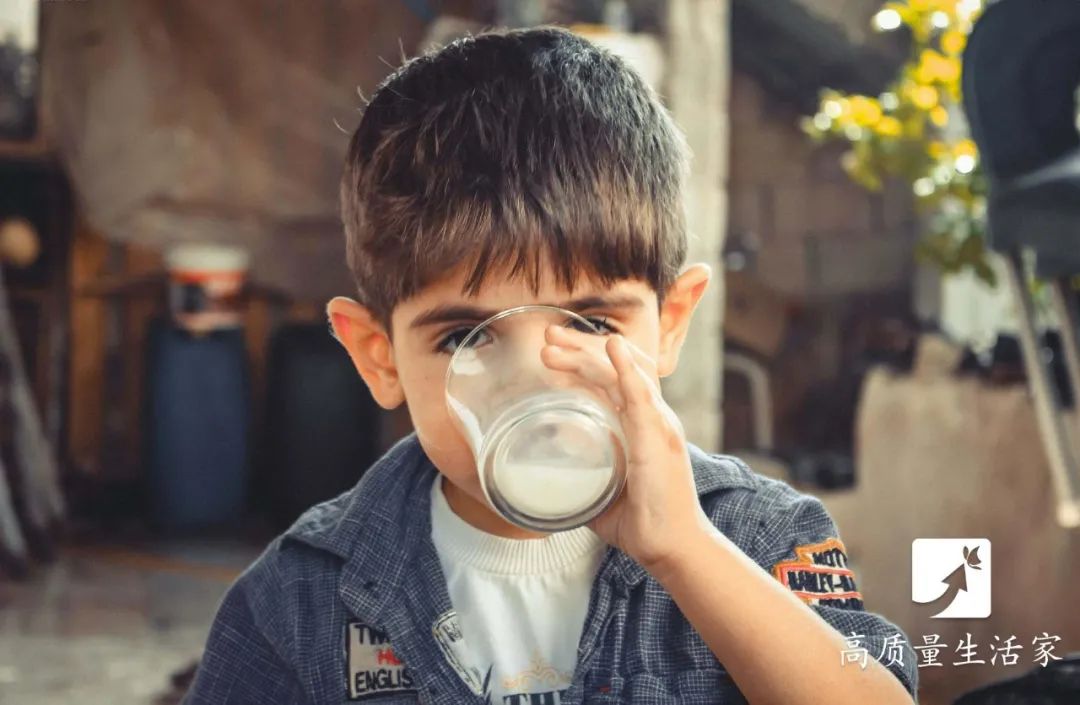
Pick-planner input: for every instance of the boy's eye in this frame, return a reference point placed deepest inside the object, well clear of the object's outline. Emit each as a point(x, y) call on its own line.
point(450, 342)
point(599, 321)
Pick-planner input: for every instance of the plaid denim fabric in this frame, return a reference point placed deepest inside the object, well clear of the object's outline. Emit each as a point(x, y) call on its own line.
point(367, 556)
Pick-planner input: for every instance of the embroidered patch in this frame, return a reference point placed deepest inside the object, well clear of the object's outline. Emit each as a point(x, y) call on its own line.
point(447, 631)
point(373, 667)
point(819, 575)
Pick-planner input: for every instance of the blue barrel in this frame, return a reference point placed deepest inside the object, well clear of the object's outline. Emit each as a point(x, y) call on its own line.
point(197, 426)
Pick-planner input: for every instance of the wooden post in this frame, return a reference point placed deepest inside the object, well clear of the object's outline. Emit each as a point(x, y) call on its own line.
point(86, 385)
point(698, 75)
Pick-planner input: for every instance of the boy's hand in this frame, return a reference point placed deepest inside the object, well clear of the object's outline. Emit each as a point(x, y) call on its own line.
point(658, 513)
point(736, 607)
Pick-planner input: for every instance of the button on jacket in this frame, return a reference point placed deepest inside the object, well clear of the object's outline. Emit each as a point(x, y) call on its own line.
point(350, 604)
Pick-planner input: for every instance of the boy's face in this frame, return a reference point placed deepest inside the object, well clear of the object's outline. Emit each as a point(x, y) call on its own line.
point(427, 327)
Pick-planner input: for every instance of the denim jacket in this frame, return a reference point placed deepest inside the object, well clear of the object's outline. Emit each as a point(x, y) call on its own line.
point(350, 604)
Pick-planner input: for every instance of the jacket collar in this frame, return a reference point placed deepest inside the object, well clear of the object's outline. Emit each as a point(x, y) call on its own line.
point(383, 523)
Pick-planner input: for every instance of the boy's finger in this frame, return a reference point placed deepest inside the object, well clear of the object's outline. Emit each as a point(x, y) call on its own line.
point(561, 335)
point(593, 369)
point(645, 371)
point(636, 388)
point(640, 357)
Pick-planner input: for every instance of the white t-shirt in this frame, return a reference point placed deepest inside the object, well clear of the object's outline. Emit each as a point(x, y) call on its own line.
point(521, 602)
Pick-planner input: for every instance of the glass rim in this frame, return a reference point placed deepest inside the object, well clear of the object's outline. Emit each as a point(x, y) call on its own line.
point(506, 313)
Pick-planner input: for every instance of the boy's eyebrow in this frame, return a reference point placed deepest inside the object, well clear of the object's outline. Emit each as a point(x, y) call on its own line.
point(446, 313)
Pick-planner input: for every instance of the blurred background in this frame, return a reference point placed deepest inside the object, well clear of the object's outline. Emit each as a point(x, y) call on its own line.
point(888, 188)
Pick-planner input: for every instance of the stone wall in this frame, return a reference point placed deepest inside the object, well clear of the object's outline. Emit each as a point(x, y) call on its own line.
point(821, 234)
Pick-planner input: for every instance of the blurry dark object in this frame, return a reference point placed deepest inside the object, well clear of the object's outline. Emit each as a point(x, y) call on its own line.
point(104, 507)
point(1021, 72)
point(322, 428)
point(889, 341)
point(1006, 361)
point(1006, 364)
point(1056, 684)
point(190, 298)
point(35, 221)
point(1054, 355)
point(18, 74)
point(31, 503)
point(197, 423)
point(827, 417)
point(1003, 365)
point(825, 470)
point(179, 682)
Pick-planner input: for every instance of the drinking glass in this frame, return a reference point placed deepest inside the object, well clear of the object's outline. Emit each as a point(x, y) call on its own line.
point(549, 449)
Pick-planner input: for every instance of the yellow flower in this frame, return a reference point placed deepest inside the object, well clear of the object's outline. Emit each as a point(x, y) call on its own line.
point(939, 116)
point(953, 42)
point(936, 149)
point(924, 97)
point(889, 126)
point(864, 111)
point(950, 70)
point(965, 148)
point(933, 67)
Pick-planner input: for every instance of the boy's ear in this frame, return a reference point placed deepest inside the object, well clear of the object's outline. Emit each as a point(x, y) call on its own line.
point(368, 344)
point(681, 299)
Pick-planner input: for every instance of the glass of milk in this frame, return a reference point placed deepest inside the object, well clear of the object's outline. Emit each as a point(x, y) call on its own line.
point(549, 450)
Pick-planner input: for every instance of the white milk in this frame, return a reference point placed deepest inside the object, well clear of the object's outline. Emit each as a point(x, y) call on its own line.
point(550, 492)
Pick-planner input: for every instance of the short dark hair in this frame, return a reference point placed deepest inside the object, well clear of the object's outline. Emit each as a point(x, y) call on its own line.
point(504, 149)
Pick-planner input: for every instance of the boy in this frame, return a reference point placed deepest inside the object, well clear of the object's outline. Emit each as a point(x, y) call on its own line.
point(507, 169)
